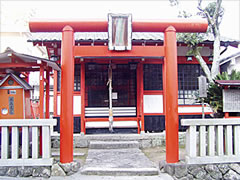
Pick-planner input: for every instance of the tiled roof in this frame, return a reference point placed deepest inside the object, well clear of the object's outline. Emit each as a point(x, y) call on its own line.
point(20, 81)
point(228, 82)
point(93, 36)
point(226, 59)
point(5, 58)
point(83, 36)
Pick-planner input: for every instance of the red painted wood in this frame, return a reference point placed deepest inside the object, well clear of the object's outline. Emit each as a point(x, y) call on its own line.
point(67, 88)
point(115, 119)
point(102, 51)
point(47, 115)
point(141, 96)
point(226, 114)
point(171, 95)
point(138, 94)
point(18, 65)
point(153, 92)
point(181, 25)
point(55, 93)
point(41, 103)
point(83, 129)
point(41, 92)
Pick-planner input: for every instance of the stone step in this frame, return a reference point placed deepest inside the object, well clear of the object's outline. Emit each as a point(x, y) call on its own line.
point(56, 154)
point(118, 162)
point(77, 152)
point(113, 144)
point(120, 171)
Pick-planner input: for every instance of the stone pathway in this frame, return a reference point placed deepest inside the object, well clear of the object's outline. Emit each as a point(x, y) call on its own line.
point(79, 176)
point(116, 159)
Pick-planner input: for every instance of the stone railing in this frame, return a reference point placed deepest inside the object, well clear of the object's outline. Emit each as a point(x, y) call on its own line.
point(16, 132)
point(212, 140)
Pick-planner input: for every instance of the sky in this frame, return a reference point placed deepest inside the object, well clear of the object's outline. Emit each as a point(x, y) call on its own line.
point(17, 13)
point(14, 15)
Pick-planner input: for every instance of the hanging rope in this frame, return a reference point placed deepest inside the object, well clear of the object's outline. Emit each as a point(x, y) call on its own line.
point(109, 84)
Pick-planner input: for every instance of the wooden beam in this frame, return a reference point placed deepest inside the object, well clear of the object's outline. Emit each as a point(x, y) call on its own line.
point(102, 51)
point(181, 25)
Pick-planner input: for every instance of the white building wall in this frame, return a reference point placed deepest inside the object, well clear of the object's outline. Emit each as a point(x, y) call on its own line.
point(234, 65)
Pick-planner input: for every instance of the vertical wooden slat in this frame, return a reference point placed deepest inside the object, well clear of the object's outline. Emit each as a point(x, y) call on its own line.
point(187, 146)
point(15, 143)
point(25, 142)
point(228, 140)
point(211, 140)
point(35, 141)
point(237, 140)
point(46, 142)
point(5, 143)
point(220, 141)
point(192, 146)
point(202, 143)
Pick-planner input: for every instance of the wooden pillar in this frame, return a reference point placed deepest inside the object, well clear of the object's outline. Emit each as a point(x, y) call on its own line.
point(55, 93)
point(41, 93)
point(67, 88)
point(138, 94)
point(83, 129)
point(41, 103)
point(26, 74)
point(171, 95)
point(226, 114)
point(141, 96)
point(47, 115)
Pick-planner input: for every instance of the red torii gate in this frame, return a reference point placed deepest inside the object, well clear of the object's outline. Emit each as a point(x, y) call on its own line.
point(170, 81)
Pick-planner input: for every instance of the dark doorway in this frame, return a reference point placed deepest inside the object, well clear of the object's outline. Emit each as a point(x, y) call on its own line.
point(123, 82)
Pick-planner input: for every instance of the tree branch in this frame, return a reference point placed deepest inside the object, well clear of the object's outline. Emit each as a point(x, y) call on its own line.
point(203, 64)
point(205, 12)
point(216, 12)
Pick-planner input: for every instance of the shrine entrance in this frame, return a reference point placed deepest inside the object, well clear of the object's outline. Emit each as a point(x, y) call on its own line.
point(123, 85)
point(110, 91)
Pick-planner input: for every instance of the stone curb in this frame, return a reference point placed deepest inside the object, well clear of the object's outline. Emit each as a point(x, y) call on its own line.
point(120, 171)
point(183, 171)
point(57, 169)
point(113, 144)
point(145, 140)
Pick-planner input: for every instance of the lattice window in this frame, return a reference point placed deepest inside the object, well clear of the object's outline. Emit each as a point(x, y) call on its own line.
point(152, 75)
point(188, 82)
point(123, 84)
point(77, 77)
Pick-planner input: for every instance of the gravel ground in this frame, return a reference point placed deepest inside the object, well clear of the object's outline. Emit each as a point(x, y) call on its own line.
point(158, 154)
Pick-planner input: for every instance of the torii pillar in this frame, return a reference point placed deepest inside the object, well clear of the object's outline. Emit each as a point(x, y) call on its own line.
point(67, 88)
point(171, 95)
